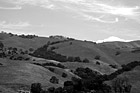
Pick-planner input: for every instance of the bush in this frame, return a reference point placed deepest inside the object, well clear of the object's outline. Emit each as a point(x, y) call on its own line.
point(51, 90)
point(58, 90)
point(51, 69)
point(54, 80)
point(97, 63)
point(36, 88)
point(117, 53)
point(113, 66)
point(70, 59)
point(64, 75)
point(1, 45)
point(77, 59)
point(86, 60)
point(97, 57)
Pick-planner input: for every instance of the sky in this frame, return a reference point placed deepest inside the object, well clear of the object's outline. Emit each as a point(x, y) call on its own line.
point(81, 19)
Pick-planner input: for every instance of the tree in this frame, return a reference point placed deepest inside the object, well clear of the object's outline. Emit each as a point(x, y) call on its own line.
point(54, 80)
point(86, 60)
point(31, 49)
point(69, 87)
point(36, 88)
point(51, 90)
point(64, 75)
point(97, 63)
point(1, 45)
point(121, 85)
point(77, 59)
point(58, 90)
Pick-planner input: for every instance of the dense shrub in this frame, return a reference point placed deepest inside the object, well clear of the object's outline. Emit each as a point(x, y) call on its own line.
point(27, 36)
point(113, 66)
point(64, 75)
point(51, 89)
point(36, 88)
point(54, 80)
point(70, 59)
point(97, 57)
point(86, 73)
point(51, 69)
point(53, 64)
point(58, 90)
point(98, 63)
point(86, 60)
point(77, 59)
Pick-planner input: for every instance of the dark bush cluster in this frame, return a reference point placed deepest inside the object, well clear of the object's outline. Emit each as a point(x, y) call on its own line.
point(22, 36)
point(136, 50)
point(113, 66)
point(86, 73)
point(27, 36)
point(59, 65)
point(61, 37)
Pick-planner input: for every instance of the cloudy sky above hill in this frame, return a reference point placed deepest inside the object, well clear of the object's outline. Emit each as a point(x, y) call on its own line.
point(81, 19)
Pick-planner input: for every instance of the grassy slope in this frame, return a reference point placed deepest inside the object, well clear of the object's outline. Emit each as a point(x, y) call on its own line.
point(25, 73)
point(24, 43)
point(106, 51)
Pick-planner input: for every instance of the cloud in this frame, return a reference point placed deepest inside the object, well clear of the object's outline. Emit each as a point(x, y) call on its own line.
point(16, 25)
point(88, 6)
point(113, 38)
point(11, 8)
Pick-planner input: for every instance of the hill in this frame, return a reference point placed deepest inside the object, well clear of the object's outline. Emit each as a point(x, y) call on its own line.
point(104, 58)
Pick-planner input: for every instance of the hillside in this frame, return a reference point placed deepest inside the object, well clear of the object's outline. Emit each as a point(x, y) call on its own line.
point(104, 58)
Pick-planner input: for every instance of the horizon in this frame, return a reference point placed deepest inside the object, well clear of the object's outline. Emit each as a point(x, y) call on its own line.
point(91, 20)
point(109, 39)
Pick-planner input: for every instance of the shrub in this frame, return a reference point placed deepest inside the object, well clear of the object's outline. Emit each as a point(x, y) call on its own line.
point(77, 59)
point(58, 90)
point(70, 59)
point(36, 88)
point(97, 57)
point(117, 53)
point(113, 66)
point(51, 90)
point(64, 75)
point(51, 69)
point(1, 45)
point(31, 49)
point(97, 63)
point(86, 60)
point(54, 80)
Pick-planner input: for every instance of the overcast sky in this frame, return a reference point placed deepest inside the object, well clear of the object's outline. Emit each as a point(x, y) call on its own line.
point(81, 19)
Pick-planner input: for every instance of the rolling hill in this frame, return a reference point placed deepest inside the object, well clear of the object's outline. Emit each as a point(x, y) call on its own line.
point(23, 73)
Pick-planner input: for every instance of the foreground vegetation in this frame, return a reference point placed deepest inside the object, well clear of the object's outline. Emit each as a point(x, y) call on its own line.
point(93, 82)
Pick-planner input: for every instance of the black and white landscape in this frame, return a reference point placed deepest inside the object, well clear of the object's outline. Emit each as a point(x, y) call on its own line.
point(69, 46)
